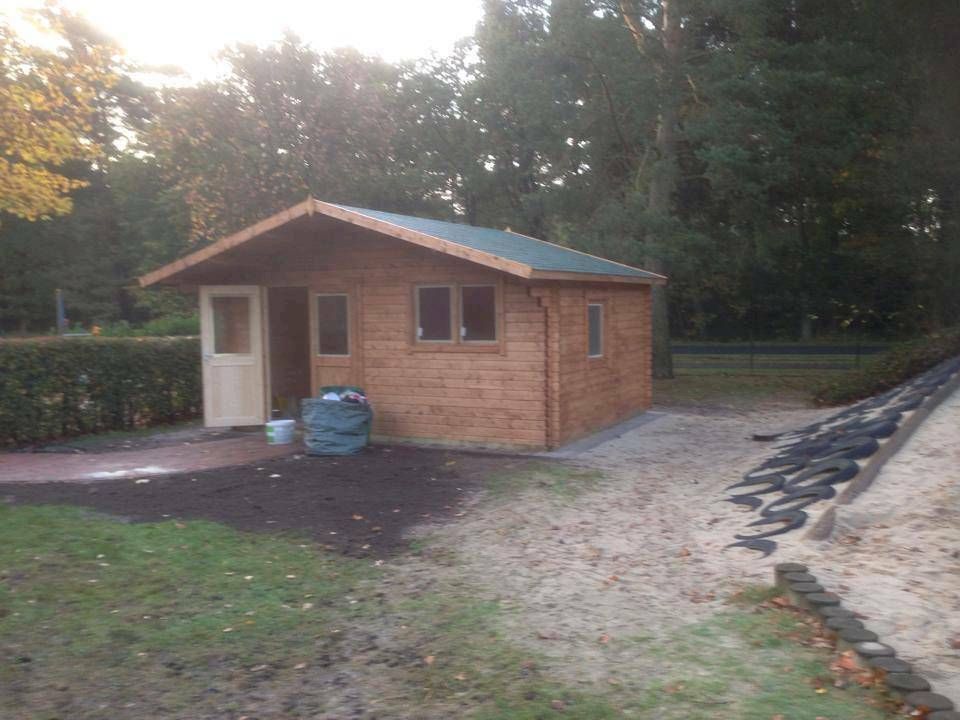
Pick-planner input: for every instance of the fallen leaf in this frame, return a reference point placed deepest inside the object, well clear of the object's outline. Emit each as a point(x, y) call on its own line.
point(604, 639)
point(684, 552)
point(428, 660)
point(460, 676)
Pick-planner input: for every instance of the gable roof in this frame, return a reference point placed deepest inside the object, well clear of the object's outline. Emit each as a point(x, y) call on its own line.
point(503, 250)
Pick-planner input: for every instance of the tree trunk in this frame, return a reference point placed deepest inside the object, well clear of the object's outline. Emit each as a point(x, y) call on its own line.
point(664, 179)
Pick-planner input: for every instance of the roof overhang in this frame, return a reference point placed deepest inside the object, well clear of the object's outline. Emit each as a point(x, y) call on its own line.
point(311, 206)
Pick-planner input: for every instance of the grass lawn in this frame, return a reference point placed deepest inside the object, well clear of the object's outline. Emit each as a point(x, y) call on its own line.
point(737, 390)
point(102, 618)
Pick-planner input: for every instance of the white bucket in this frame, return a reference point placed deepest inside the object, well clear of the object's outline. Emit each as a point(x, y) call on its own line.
point(280, 432)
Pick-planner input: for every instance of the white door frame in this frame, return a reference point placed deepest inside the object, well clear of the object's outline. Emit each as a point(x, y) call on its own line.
point(246, 403)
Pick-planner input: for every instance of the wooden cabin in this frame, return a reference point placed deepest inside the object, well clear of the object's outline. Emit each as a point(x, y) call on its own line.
point(457, 334)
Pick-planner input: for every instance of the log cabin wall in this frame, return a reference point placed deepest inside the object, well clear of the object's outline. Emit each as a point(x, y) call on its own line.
point(595, 393)
point(487, 394)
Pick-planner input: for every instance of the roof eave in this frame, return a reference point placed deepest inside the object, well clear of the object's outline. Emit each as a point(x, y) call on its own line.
point(224, 244)
point(311, 206)
point(598, 277)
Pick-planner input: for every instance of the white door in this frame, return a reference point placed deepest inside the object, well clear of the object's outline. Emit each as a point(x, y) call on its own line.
point(231, 333)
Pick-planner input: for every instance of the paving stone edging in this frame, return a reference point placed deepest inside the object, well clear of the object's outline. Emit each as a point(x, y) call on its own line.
point(897, 676)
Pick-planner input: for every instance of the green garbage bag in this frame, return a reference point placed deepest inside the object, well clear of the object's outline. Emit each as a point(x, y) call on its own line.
point(335, 427)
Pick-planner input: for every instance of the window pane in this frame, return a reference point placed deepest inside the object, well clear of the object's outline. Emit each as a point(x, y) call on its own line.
point(231, 324)
point(434, 313)
point(479, 312)
point(333, 325)
point(595, 330)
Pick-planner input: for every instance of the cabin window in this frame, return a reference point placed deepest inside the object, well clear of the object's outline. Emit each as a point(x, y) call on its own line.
point(435, 313)
point(333, 325)
point(595, 330)
point(478, 313)
point(231, 324)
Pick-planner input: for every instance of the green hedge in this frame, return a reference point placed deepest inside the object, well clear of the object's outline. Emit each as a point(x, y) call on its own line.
point(60, 388)
point(900, 363)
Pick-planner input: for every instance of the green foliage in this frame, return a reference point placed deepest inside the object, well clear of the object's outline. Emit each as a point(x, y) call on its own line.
point(897, 365)
point(168, 326)
point(811, 186)
point(60, 388)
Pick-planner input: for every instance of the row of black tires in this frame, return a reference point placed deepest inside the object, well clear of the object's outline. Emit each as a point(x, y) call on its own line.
point(812, 460)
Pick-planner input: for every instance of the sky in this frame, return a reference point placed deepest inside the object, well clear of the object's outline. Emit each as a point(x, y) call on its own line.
point(188, 33)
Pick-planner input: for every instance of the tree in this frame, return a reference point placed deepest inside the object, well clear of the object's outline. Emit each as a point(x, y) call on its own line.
point(47, 101)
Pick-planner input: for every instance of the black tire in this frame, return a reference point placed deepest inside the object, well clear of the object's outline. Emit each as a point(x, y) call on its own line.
point(751, 501)
point(801, 499)
point(790, 521)
point(879, 428)
point(829, 472)
point(853, 447)
point(764, 546)
point(773, 483)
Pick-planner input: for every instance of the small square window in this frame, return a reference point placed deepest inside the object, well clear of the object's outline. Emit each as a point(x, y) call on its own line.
point(231, 325)
point(434, 314)
point(333, 325)
point(478, 313)
point(595, 330)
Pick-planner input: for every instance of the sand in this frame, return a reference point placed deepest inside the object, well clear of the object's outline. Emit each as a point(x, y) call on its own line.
point(644, 553)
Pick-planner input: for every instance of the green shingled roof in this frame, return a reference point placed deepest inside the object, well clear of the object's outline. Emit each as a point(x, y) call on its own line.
point(538, 254)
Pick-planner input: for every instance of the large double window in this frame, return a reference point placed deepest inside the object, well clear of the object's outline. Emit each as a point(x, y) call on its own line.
point(456, 313)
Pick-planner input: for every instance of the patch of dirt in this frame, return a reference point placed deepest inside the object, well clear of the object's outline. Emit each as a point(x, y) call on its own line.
point(361, 505)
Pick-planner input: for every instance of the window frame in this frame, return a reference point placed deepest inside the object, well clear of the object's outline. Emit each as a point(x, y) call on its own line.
point(453, 339)
point(603, 324)
point(316, 324)
point(496, 314)
point(456, 344)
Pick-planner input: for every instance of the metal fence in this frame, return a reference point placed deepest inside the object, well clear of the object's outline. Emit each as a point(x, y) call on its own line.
point(783, 357)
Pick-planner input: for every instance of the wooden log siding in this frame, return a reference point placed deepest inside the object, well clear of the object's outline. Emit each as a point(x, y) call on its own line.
point(598, 392)
point(480, 393)
point(518, 394)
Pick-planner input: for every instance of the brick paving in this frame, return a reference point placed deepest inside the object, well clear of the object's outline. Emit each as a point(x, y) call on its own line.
point(57, 467)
